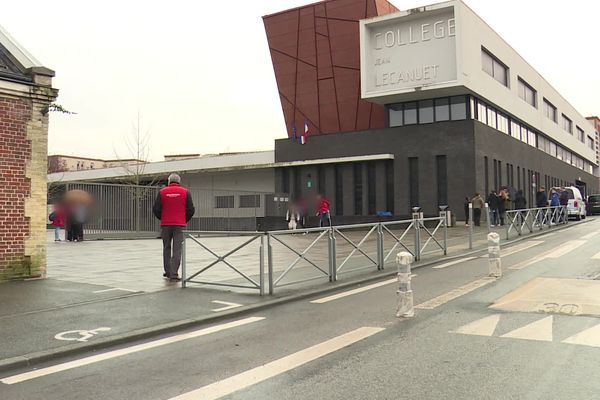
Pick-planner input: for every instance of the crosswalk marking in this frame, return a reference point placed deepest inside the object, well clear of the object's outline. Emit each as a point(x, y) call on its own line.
point(588, 337)
point(565, 248)
point(455, 293)
point(538, 330)
point(261, 373)
point(127, 350)
point(553, 253)
point(590, 235)
point(521, 247)
point(450, 263)
point(482, 327)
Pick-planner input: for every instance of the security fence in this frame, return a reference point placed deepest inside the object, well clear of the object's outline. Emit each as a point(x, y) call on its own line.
point(125, 211)
point(300, 256)
point(531, 219)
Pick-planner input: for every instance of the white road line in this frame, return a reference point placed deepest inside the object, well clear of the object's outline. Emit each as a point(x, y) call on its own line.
point(537, 330)
point(450, 263)
point(228, 305)
point(128, 350)
point(553, 253)
point(455, 293)
point(520, 247)
point(596, 257)
point(590, 235)
point(259, 374)
point(355, 291)
point(113, 289)
point(482, 327)
point(588, 337)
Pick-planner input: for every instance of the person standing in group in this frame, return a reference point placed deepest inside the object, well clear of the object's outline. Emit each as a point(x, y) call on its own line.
point(554, 202)
point(175, 208)
point(466, 206)
point(541, 200)
point(292, 217)
point(323, 212)
point(478, 203)
point(57, 217)
point(302, 212)
point(520, 204)
point(503, 201)
point(78, 217)
point(563, 196)
point(493, 202)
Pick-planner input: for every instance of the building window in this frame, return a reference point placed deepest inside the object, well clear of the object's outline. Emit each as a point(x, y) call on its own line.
point(482, 112)
point(442, 180)
point(410, 113)
point(494, 67)
point(249, 201)
point(491, 117)
point(285, 177)
point(371, 188)
point(224, 201)
point(321, 179)
point(590, 142)
point(395, 115)
point(442, 109)
point(567, 124)
point(358, 189)
point(389, 186)
point(550, 111)
point(458, 108)
point(413, 181)
point(496, 174)
point(580, 134)
point(502, 123)
point(339, 190)
point(425, 111)
point(486, 176)
point(527, 93)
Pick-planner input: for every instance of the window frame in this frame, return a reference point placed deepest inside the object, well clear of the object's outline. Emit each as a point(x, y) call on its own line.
point(549, 106)
point(523, 83)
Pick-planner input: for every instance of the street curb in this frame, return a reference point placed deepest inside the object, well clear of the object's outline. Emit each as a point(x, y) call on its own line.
point(35, 358)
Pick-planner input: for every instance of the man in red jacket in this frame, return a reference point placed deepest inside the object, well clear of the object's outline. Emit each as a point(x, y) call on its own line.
point(174, 207)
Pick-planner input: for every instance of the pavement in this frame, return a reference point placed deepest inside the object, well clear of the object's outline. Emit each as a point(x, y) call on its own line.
point(534, 333)
point(81, 309)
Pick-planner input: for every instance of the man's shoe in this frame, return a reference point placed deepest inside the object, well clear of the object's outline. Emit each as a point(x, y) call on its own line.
point(175, 279)
point(165, 275)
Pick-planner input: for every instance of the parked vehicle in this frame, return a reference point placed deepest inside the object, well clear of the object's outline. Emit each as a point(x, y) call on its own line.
point(593, 204)
point(576, 206)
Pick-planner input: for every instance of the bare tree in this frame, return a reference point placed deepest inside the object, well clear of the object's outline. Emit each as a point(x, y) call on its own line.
point(143, 185)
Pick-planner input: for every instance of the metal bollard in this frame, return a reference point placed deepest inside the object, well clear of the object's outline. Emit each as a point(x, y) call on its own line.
point(494, 261)
point(471, 223)
point(405, 307)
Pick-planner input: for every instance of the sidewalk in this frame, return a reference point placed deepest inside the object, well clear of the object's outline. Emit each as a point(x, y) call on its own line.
point(36, 316)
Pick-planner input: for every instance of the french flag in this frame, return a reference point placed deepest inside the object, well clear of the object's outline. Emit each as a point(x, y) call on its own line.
point(304, 137)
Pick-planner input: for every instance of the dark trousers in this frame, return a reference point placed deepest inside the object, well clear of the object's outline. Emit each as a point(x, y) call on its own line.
point(75, 232)
point(172, 237)
point(325, 219)
point(477, 216)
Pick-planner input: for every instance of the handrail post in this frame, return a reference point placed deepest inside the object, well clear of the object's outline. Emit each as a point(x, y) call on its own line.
point(183, 260)
point(380, 248)
point(471, 223)
point(487, 217)
point(261, 267)
point(445, 222)
point(270, 263)
point(417, 228)
point(332, 255)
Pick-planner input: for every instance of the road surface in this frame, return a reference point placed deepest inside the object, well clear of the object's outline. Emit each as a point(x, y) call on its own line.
point(532, 334)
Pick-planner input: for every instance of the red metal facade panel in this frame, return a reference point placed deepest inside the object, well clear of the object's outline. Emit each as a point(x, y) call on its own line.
point(316, 58)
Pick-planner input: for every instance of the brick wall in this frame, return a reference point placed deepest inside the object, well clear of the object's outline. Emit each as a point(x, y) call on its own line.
point(15, 150)
point(23, 174)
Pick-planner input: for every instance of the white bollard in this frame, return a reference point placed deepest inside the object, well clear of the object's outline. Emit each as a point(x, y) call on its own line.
point(405, 295)
point(495, 263)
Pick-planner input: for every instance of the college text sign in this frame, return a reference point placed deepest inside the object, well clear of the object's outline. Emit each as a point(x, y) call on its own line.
point(409, 51)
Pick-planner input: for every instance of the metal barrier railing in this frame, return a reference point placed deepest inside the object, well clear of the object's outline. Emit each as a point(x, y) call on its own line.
point(195, 236)
point(532, 218)
point(302, 254)
point(295, 257)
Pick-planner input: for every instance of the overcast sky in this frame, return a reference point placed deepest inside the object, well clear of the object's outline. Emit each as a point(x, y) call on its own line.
point(200, 72)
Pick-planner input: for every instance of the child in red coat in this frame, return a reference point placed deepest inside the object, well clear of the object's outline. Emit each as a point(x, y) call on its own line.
point(58, 221)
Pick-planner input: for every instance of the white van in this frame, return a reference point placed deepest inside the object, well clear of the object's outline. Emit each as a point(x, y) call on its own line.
point(576, 206)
